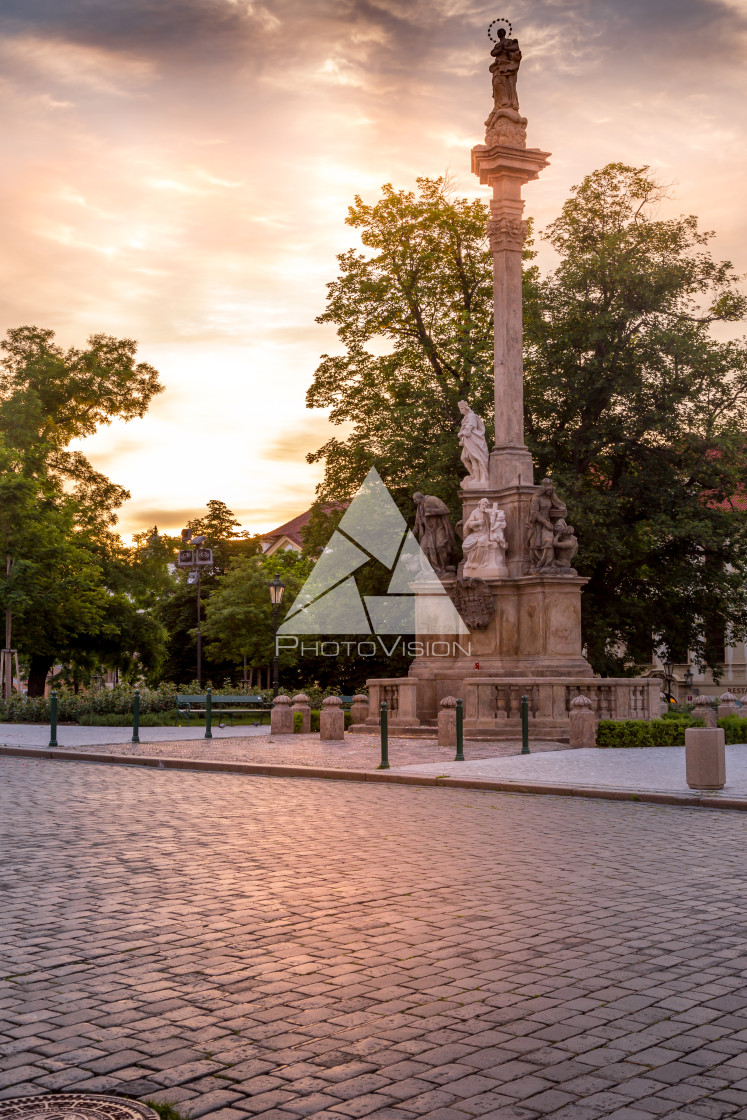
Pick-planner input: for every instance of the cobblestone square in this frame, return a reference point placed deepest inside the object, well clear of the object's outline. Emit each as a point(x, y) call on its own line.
point(285, 948)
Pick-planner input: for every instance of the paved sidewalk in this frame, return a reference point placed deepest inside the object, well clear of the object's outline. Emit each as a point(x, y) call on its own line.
point(655, 769)
point(251, 947)
point(72, 735)
point(356, 752)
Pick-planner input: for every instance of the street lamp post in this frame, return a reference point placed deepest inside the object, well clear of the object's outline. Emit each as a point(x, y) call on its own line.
point(195, 558)
point(688, 678)
point(199, 631)
point(276, 597)
point(668, 673)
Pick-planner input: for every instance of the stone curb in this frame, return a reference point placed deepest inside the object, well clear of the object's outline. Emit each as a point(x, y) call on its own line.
point(652, 797)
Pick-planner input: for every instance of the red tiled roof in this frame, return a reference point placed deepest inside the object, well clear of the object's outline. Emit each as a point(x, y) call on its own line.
point(294, 528)
point(736, 502)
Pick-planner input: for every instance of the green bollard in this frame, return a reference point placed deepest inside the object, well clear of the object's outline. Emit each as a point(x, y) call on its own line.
point(524, 725)
point(136, 716)
point(459, 732)
point(53, 718)
point(384, 764)
point(208, 713)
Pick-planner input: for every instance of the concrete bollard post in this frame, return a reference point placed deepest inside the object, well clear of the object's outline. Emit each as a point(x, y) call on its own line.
point(332, 720)
point(705, 757)
point(281, 716)
point(727, 705)
point(359, 709)
point(302, 704)
point(447, 735)
point(583, 722)
point(704, 709)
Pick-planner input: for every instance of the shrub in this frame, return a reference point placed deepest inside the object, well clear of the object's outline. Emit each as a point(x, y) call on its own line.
point(624, 733)
point(735, 729)
point(650, 733)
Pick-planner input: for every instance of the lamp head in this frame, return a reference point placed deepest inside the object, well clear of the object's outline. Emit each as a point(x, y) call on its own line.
point(277, 588)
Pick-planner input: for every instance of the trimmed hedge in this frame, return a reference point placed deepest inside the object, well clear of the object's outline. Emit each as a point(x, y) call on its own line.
point(113, 719)
point(735, 728)
point(662, 732)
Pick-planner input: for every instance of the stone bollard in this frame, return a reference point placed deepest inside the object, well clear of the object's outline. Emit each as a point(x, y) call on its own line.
point(727, 705)
point(332, 720)
point(583, 722)
point(447, 722)
point(705, 757)
point(359, 709)
point(302, 704)
point(704, 709)
point(281, 716)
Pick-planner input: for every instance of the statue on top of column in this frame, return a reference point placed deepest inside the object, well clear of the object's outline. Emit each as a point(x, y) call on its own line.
point(505, 125)
point(505, 70)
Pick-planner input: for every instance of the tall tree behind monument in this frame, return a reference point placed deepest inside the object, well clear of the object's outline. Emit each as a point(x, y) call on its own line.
point(632, 447)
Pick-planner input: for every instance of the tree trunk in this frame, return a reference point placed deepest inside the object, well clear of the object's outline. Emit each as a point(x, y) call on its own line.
point(38, 673)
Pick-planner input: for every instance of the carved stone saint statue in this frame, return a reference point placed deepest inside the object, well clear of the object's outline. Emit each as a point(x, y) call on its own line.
point(505, 125)
point(485, 542)
point(435, 533)
point(551, 542)
point(505, 70)
point(475, 454)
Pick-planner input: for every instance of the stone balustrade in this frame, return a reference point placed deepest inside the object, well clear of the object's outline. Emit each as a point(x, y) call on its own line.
point(490, 700)
point(490, 703)
point(400, 694)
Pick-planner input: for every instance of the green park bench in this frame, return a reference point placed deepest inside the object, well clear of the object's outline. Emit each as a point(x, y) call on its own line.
point(220, 705)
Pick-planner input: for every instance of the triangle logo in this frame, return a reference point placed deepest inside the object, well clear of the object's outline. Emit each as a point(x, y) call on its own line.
point(373, 528)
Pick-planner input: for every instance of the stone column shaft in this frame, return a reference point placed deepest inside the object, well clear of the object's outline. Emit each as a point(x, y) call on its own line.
point(506, 170)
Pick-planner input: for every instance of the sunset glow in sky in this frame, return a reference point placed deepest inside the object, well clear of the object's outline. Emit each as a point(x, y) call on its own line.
point(179, 172)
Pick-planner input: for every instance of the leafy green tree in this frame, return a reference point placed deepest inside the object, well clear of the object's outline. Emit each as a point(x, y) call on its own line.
point(632, 406)
point(426, 292)
point(632, 401)
point(239, 616)
point(219, 526)
point(66, 580)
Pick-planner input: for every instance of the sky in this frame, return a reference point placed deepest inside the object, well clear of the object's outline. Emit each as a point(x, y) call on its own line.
point(179, 172)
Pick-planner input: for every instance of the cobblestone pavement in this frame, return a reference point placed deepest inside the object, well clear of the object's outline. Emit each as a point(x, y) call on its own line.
point(287, 948)
point(357, 752)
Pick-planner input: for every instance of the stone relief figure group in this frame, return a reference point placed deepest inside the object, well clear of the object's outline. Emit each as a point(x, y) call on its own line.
point(484, 543)
point(550, 540)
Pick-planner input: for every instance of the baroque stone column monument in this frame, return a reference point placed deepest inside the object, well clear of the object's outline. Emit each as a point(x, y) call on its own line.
point(515, 587)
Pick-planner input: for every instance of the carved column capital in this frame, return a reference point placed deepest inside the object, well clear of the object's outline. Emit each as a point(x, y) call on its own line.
point(507, 233)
